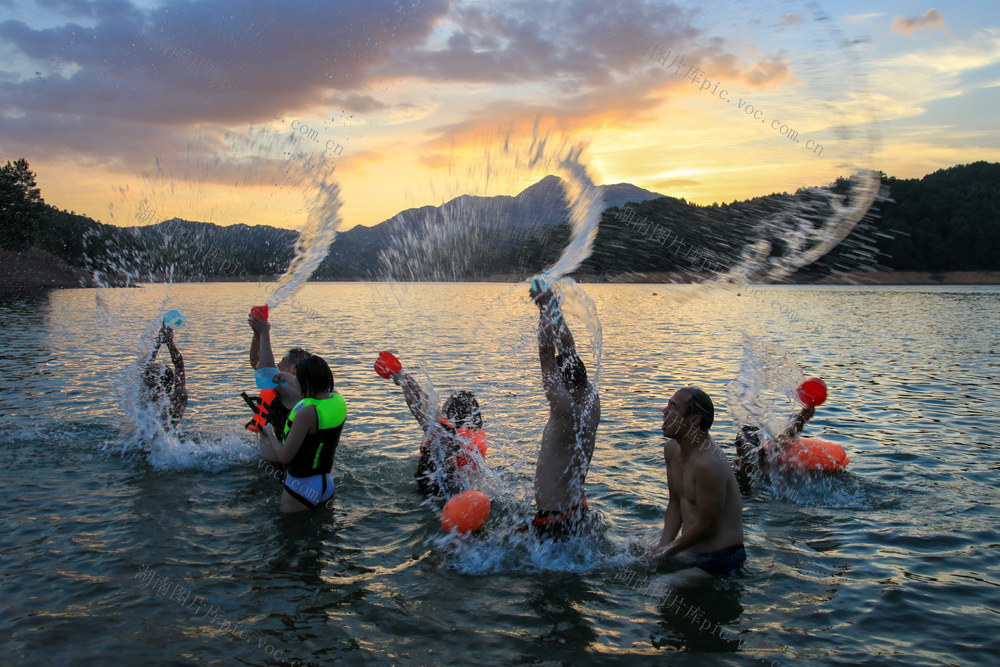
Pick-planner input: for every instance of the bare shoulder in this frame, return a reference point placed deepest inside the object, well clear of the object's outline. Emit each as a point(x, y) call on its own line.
point(712, 463)
point(671, 449)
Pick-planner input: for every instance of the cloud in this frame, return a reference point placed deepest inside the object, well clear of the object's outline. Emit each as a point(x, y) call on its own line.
point(70, 7)
point(931, 20)
point(147, 74)
point(601, 64)
point(572, 43)
point(357, 103)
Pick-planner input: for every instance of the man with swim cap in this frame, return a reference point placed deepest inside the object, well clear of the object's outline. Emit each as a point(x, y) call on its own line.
point(754, 458)
point(704, 498)
point(289, 392)
point(454, 443)
point(165, 388)
point(569, 436)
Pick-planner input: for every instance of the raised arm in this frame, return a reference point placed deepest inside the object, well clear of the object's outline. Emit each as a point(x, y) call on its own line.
point(261, 355)
point(554, 337)
point(254, 344)
point(792, 430)
point(156, 345)
point(417, 400)
point(178, 395)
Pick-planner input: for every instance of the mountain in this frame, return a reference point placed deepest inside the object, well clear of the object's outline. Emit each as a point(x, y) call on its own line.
point(449, 242)
point(945, 221)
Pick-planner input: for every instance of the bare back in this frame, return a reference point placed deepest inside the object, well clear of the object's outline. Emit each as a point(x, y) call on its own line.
point(567, 446)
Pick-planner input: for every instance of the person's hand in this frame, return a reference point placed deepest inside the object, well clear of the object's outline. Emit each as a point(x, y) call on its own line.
point(283, 378)
point(258, 323)
point(655, 556)
point(167, 334)
point(268, 432)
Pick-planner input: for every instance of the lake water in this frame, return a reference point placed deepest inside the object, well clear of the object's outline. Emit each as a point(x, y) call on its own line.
point(185, 559)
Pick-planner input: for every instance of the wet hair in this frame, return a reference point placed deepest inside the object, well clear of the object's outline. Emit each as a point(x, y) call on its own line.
point(574, 372)
point(295, 355)
point(700, 404)
point(314, 376)
point(462, 409)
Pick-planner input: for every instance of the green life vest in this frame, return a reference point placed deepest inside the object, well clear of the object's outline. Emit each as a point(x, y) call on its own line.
point(315, 455)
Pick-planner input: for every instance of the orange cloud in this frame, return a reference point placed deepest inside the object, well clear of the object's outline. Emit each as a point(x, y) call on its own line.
point(931, 20)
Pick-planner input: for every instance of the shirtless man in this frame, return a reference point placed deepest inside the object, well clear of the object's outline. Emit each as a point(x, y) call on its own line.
point(289, 393)
point(569, 436)
point(755, 459)
point(704, 496)
point(165, 388)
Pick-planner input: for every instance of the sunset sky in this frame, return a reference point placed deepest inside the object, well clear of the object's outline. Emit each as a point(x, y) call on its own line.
point(229, 111)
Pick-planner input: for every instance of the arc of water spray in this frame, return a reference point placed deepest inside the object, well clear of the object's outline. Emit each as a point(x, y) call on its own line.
point(806, 244)
point(585, 200)
point(585, 208)
point(313, 243)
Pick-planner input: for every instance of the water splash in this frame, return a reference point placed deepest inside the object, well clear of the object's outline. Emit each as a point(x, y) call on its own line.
point(463, 236)
point(313, 243)
point(136, 255)
point(814, 222)
point(762, 394)
point(263, 169)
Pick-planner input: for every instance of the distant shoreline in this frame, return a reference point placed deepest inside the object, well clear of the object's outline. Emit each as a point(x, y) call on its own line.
point(34, 270)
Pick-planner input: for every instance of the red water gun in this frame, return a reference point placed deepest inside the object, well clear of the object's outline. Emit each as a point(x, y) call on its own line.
point(260, 405)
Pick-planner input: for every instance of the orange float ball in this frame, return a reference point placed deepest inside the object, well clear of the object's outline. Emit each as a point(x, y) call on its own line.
point(466, 512)
point(812, 392)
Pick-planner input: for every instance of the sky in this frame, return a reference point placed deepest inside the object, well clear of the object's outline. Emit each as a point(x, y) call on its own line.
point(239, 111)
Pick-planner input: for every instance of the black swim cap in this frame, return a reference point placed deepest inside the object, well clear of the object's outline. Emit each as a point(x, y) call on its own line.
point(462, 408)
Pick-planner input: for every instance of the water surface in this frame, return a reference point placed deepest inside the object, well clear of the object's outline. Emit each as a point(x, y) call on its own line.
point(185, 559)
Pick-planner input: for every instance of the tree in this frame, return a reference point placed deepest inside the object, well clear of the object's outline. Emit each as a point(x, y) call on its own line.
point(21, 206)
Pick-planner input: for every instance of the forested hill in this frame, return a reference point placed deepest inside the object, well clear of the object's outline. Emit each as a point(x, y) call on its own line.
point(945, 221)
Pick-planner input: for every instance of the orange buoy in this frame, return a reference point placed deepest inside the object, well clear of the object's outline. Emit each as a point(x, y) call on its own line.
point(387, 365)
point(813, 454)
point(812, 392)
point(466, 512)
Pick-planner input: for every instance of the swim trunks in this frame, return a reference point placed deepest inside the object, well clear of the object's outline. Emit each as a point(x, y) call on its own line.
point(556, 523)
point(724, 562)
point(310, 491)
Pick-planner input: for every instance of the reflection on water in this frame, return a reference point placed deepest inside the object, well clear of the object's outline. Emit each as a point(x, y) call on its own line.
point(909, 530)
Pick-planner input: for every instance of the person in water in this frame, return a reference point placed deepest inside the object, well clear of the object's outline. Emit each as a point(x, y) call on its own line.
point(454, 443)
point(705, 507)
point(165, 388)
point(570, 434)
point(310, 437)
point(288, 391)
point(754, 459)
